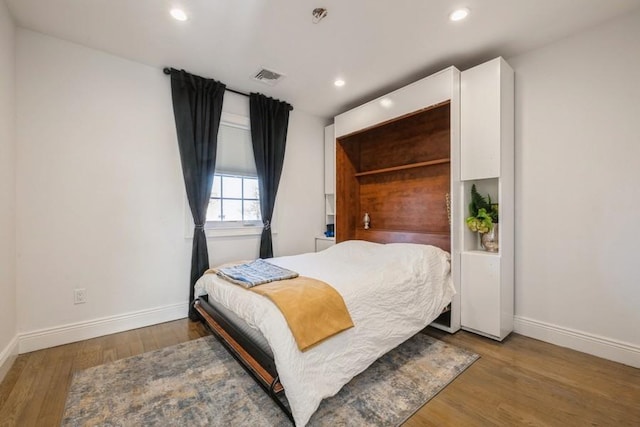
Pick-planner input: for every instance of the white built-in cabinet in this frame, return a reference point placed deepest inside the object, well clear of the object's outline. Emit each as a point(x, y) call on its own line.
point(482, 140)
point(323, 242)
point(487, 160)
point(329, 160)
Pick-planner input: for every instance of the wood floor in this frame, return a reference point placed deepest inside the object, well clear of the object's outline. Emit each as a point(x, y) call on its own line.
point(518, 382)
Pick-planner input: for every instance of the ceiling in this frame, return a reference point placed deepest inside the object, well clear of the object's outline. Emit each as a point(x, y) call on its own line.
point(375, 46)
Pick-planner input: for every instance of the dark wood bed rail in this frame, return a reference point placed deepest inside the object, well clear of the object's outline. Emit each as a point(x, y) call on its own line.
point(269, 383)
point(256, 368)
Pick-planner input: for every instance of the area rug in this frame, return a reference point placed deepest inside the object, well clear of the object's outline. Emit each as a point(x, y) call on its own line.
point(198, 383)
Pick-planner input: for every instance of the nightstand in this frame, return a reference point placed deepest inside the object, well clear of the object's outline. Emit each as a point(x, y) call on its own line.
point(323, 242)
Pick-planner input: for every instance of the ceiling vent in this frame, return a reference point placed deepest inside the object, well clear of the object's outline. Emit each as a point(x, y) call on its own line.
point(268, 77)
point(319, 13)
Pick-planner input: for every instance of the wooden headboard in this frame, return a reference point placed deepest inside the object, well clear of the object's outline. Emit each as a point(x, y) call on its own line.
point(399, 173)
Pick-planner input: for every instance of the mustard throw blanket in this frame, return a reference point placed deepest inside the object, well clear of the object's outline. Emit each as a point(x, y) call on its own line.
point(313, 309)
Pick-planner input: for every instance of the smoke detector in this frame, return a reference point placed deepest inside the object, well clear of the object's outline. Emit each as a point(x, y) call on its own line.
point(319, 13)
point(268, 77)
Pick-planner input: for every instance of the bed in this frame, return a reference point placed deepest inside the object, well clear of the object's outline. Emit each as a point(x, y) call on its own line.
point(392, 291)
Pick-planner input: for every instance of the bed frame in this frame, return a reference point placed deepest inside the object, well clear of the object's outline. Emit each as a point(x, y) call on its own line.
point(258, 363)
point(400, 173)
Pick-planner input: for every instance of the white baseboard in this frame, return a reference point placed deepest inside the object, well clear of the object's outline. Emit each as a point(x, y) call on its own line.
point(51, 337)
point(606, 348)
point(8, 356)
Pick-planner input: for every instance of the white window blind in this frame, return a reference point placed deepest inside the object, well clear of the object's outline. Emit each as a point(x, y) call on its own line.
point(235, 152)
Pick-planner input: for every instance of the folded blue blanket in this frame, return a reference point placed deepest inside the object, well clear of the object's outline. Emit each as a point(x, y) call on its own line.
point(255, 273)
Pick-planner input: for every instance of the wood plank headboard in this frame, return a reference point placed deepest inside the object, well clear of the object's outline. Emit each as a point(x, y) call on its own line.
point(399, 173)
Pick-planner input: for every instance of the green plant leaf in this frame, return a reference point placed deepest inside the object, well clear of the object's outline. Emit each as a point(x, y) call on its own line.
point(479, 203)
point(485, 221)
point(495, 213)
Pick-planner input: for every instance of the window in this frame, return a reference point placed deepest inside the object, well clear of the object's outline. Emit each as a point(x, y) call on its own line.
point(234, 203)
point(234, 200)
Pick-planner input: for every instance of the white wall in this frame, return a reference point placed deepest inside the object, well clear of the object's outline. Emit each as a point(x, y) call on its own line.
point(577, 191)
point(300, 201)
point(7, 191)
point(100, 194)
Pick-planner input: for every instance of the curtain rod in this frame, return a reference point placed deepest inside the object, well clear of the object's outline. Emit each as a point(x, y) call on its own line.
point(167, 71)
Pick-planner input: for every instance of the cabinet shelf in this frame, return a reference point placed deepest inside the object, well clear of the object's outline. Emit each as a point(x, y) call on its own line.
point(482, 252)
point(385, 230)
point(403, 167)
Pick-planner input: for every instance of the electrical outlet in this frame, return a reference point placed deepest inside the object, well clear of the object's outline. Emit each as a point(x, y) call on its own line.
point(79, 296)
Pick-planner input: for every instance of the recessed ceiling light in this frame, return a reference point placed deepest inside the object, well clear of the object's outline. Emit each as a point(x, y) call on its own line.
point(459, 14)
point(178, 14)
point(339, 82)
point(386, 102)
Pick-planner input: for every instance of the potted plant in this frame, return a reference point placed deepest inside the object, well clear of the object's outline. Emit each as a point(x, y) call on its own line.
point(484, 219)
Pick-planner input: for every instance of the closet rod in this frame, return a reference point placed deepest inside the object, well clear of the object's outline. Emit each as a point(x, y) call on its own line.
point(167, 71)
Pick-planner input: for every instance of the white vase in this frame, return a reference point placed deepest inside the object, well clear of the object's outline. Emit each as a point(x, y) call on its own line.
point(489, 241)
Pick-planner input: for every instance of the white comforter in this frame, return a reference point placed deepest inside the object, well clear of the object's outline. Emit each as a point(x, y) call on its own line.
point(392, 291)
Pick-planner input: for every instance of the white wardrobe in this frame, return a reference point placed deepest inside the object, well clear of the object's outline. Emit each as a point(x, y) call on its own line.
point(487, 160)
point(482, 120)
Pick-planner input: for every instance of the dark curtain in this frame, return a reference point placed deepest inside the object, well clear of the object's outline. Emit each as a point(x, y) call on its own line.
point(269, 122)
point(197, 106)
